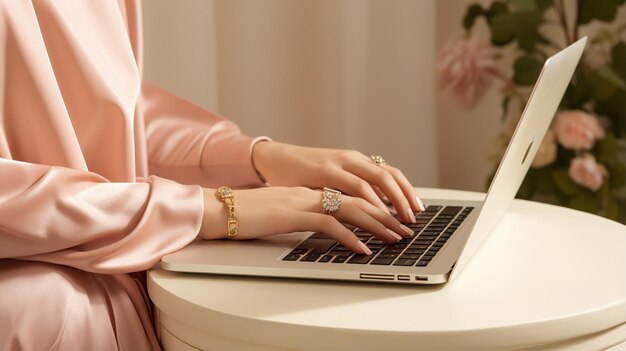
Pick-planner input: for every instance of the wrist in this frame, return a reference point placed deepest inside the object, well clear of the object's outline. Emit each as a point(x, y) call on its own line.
point(261, 156)
point(214, 218)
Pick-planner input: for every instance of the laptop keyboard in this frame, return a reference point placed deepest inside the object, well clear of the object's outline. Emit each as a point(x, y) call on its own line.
point(433, 228)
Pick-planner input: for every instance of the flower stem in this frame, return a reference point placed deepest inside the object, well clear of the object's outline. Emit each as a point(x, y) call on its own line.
point(560, 11)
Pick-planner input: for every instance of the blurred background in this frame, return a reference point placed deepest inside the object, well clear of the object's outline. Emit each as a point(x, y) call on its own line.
point(357, 74)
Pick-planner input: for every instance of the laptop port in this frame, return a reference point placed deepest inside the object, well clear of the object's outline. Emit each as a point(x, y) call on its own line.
point(421, 279)
point(374, 276)
point(404, 277)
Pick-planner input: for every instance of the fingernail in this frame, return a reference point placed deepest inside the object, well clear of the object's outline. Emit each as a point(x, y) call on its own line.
point(366, 250)
point(409, 211)
point(394, 234)
point(420, 204)
point(407, 229)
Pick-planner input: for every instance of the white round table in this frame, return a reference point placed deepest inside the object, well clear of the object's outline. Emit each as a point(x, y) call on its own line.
point(548, 278)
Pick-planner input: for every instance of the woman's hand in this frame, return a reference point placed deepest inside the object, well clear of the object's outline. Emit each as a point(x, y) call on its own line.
point(349, 171)
point(274, 210)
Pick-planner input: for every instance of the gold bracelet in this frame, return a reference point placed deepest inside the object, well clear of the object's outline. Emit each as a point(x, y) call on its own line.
point(225, 195)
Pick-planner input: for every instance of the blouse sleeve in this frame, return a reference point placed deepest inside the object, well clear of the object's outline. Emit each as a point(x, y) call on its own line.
point(79, 219)
point(193, 146)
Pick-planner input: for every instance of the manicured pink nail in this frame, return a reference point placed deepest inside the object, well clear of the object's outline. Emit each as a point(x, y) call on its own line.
point(407, 229)
point(409, 211)
point(420, 204)
point(366, 250)
point(394, 234)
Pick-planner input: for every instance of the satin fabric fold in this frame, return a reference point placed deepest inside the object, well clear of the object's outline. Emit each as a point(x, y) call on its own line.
point(99, 174)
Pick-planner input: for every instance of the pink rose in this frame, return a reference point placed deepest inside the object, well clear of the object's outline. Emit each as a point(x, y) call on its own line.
point(585, 171)
point(577, 130)
point(466, 69)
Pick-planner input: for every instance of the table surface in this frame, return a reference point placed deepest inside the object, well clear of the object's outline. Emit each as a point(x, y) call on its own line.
point(546, 274)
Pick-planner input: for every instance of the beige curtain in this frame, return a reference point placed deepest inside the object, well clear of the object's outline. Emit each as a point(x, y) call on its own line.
point(355, 74)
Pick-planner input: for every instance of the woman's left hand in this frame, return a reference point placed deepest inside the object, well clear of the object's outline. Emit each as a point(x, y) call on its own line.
point(349, 171)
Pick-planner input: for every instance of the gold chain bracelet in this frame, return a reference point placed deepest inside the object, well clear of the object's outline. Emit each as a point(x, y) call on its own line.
point(225, 195)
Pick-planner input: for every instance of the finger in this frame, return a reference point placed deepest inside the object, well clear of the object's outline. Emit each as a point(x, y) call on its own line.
point(351, 212)
point(407, 188)
point(380, 177)
point(381, 195)
point(386, 219)
point(355, 186)
point(330, 226)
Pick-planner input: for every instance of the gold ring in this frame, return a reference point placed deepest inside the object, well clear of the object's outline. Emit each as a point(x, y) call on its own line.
point(378, 160)
point(331, 202)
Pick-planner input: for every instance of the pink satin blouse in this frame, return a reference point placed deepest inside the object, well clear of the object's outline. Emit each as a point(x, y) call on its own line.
point(93, 160)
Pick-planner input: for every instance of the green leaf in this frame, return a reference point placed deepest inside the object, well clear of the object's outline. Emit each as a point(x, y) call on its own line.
point(473, 12)
point(524, 5)
point(544, 4)
point(542, 180)
point(617, 175)
point(502, 28)
point(584, 202)
point(564, 183)
point(612, 210)
point(603, 82)
point(527, 69)
point(606, 148)
point(496, 8)
point(618, 54)
point(611, 76)
point(526, 30)
point(603, 10)
point(615, 109)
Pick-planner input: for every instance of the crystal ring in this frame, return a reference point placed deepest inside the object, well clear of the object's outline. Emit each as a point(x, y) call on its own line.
point(378, 160)
point(331, 202)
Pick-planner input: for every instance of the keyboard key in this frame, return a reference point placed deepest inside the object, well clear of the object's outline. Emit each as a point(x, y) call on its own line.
point(326, 258)
point(299, 251)
point(398, 245)
point(382, 261)
point(341, 259)
point(433, 208)
point(339, 253)
point(312, 257)
point(377, 242)
point(409, 256)
point(319, 246)
point(391, 250)
point(422, 263)
point(401, 262)
point(291, 257)
point(349, 226)
point(423, 242)
point(360, 259)
point(388, 255)
point(452, 210)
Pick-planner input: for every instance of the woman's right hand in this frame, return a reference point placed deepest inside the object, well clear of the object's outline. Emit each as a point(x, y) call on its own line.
point(276, 210)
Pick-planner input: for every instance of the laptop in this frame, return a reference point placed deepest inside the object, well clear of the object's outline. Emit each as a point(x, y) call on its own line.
point(447, 233)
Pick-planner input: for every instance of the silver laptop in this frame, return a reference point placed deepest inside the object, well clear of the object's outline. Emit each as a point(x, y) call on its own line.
point(448, 233)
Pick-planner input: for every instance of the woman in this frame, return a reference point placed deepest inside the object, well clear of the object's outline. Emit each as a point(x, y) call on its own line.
point(102, 175)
